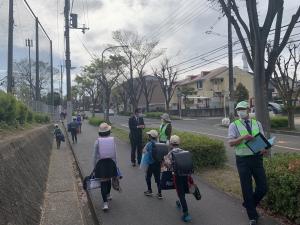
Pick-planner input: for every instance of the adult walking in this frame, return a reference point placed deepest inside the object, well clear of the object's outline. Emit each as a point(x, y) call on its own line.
point(136, 126)
point(165, 128)
point(73, 128)
point(79, 122)
point(105, 161)
point(248, 164)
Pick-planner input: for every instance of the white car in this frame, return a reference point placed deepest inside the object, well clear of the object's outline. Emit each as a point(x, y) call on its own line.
point(252, 112)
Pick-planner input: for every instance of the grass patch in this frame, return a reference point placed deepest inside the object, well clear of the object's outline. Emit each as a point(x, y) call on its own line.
point(120, 133)
point(9, 130)
point(225, 179)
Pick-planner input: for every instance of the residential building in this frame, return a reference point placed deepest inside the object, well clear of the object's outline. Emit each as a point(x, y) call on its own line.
point(212, 87)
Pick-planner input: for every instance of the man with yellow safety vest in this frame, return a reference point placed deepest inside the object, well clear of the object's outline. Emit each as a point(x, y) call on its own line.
point(248, 164)
point(165, 128)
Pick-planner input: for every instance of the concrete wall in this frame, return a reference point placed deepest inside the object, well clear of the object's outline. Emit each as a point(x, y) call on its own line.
point(24, 162)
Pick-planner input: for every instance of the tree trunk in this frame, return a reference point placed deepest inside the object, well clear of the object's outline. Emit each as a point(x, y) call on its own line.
point(260, 92)
point(147, 105)
point(107, 105)
point(291, 121)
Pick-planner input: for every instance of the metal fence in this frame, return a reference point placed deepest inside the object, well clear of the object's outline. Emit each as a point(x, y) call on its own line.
point(31, 64)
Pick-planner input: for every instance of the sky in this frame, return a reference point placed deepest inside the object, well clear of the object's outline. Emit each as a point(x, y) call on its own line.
point(185, 29)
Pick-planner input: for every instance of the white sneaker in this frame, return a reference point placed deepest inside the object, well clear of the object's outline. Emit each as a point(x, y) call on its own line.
point(109, 197)
point(105, 206)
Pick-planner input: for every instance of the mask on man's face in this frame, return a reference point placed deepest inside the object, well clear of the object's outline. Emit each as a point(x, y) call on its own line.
point(242, 113)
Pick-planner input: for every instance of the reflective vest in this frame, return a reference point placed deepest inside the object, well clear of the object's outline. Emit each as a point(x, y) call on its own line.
point(162, 132)
point(242, 149)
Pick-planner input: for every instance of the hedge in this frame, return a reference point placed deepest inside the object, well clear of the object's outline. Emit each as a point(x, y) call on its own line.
point(125, 113)
point(8, 108)
point(279, 122)
point(206, 152)
point(96, 121)
point(13, 112)
point(283, 175)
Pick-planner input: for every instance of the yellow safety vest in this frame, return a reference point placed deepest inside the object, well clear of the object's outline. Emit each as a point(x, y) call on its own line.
point(162, 132)
point(242, 149)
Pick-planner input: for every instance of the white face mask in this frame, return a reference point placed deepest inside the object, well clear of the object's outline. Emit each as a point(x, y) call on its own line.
point(242, 113)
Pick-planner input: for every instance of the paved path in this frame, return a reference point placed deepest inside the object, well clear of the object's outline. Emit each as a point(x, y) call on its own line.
point(131, 207)
point(61, 205)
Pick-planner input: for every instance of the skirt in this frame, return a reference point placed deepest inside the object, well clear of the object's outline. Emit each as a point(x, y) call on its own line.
point(106, 169)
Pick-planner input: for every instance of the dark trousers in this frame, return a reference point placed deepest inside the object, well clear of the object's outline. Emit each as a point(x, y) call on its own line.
point(248, 167)
point(153, 169)
point(181, 183)
point(74, 135)
point(136, 149)
point(58, 141)
point(105, 189)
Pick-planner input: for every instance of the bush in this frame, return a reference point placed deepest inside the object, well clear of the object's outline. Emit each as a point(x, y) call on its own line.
point(29, 116)
point(283, 175)
point(8, 108)
point(125, 113)
point(96, 121)
point(279, 122)
point(41, 118)
point(206, 152)
point(21, 112)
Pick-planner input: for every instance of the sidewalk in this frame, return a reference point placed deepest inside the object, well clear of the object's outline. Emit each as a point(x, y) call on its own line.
point(131, 207)
point(61, 204)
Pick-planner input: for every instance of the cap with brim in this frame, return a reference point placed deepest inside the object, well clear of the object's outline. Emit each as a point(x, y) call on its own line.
point(166, 117)
point(175, 140)
point(152, 133)
point(104, 127)
point(242, 105)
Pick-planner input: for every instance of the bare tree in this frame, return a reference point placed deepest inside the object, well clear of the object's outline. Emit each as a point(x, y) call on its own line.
point(286, 82)
point(253, 37)
point(148, 87)
point(139, 52)
point(89, 86)
point(167, 78)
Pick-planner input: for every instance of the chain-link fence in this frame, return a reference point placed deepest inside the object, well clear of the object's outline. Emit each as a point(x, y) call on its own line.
point(32, 54)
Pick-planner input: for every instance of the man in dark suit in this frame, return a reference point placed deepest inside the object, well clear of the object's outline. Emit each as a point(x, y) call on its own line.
point(136, 126)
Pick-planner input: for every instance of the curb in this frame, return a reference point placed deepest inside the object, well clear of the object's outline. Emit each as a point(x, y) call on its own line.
point(89, 199)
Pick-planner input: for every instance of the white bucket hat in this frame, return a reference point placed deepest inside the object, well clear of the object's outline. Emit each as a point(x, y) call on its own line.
point(104, 127)
point(175, 140)
point(166, 117)
point(152, 133)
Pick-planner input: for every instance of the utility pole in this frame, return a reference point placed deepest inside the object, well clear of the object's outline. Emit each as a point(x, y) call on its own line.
point(230, 66)
point(61, 81)
point(52, 94)
point(37, 62)
point(10, 47)
point(68, 60)
point(29, 44)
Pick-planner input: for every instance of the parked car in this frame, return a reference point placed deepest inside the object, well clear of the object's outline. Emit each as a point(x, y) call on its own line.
point(111, 112)
point(277, 108)
point(252, 112)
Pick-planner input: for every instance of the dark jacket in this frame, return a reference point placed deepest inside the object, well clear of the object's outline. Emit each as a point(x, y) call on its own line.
point(136, 134)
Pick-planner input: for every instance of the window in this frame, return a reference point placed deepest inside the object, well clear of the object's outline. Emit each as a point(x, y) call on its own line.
point(199, 84)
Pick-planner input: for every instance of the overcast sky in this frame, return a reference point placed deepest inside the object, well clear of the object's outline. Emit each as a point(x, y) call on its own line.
point(180, 25)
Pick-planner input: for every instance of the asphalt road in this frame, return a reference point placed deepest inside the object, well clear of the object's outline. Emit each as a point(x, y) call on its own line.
point(131, 207)
point(210, 126)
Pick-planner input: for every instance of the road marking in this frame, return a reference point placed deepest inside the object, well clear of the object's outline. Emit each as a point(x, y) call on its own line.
point(280, 146)
point(124, 125)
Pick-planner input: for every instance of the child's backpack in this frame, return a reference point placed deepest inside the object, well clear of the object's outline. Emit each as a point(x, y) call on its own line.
point(159, 151)
point(183, 163)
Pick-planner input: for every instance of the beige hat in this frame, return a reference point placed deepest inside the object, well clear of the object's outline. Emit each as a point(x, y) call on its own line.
point(153, 133)
point(175, 140)
point(104, 127)
point(56, 125)
point(166, 117)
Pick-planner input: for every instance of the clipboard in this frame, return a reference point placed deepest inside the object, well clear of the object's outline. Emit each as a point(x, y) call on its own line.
point(258, 143)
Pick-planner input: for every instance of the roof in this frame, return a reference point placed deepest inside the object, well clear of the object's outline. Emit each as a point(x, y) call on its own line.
point(208, 75)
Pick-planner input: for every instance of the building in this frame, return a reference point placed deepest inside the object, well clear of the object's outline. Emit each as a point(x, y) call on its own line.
point(211, 88)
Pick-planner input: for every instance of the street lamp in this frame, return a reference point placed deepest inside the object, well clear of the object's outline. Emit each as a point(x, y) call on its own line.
point(102, 65)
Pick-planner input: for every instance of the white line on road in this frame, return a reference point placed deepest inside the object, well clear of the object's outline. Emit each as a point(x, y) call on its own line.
point(280, 146)
point(124, 125)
